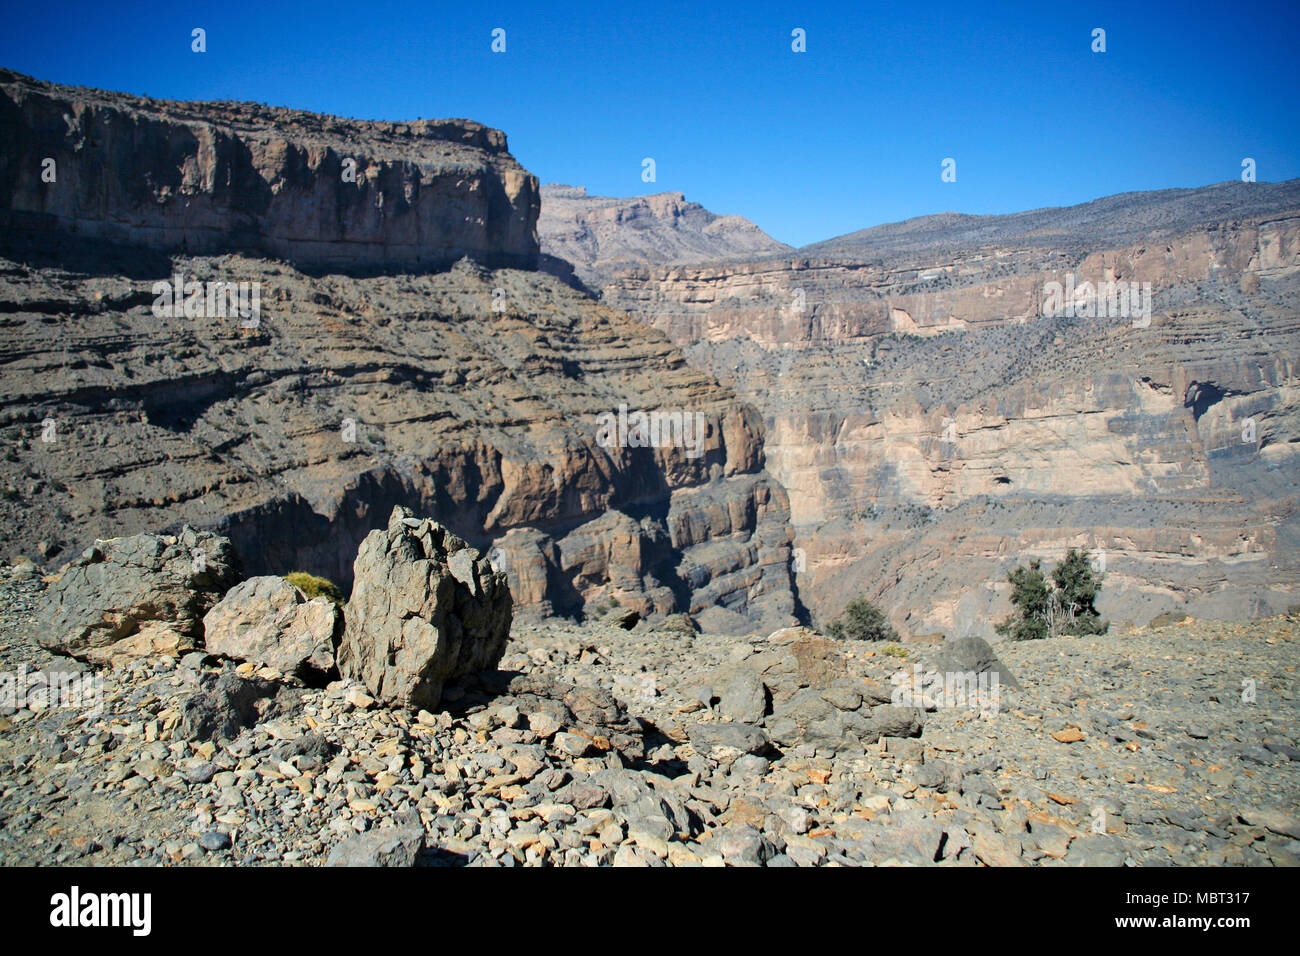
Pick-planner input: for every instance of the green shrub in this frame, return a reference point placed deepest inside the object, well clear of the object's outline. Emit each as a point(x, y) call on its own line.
point(1065, 605)
point(862, 621)
point(313, 586)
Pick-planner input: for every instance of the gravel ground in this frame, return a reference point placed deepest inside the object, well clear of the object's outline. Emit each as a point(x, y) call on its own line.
point(1169, 746)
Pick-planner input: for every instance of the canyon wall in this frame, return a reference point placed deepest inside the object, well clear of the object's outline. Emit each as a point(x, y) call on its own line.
point(472, 394)
point(933, 428)
point(200, 178)
point(599, 235)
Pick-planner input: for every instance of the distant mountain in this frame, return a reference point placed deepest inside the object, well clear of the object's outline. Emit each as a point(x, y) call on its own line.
point(600, 234)
point(933, 425)
point(1121, 219)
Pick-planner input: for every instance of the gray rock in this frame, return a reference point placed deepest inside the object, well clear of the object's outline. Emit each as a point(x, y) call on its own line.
point(912, 841)
point(214, 841)
point(1274, 820)
point(1286, 750)
point(1096, 849)
point(843, 696)
point(973, 655)
point(415, 621)
point(929, 776)
point(269, 622)
point(223, 705)
point(711, 737)
point(136, 596)
point(891, 721)
point(742, 845)
point(645, 809)
point(744, 698)
point(391, 847)
point(202, 773)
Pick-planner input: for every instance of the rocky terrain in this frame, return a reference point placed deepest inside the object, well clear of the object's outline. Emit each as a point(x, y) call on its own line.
point(933, 428)
point(200, 178)
point(656, 745)
point(470, 394)
point(598, 235)
point(242, 347)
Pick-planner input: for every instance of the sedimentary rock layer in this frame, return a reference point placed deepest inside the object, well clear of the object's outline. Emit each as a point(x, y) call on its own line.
point(932, 426)
point(201, 178)
point(599, 234)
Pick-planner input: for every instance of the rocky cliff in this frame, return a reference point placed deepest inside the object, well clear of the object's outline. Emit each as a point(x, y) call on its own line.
point(932, 426)
point(295, 416)
point(200, 178)
point(599, 235)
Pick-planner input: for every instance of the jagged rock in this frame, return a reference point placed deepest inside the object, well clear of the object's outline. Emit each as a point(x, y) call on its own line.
point(224, 704)
point(717, 738)
point(890, 721)
point(743, 698)
point(590, 714)
point(320, 190)
point(136, 595)
point(271, 623)
point(388, 847)
point(795, 658)
point(742, 845)
point(623, 617)
point(425, 608)
point(641, 805)
point(973, 655)
point(599, 234)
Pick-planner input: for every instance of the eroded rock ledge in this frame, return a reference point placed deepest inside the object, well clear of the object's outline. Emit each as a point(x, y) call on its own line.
point(322, 191)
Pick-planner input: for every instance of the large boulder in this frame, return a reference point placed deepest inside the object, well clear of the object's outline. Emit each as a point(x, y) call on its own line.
point(791, 659)
point(395, 847)
point(137, 595)
point(973, 655)
point(224, 704)
point(425, 608)
point(271, 623)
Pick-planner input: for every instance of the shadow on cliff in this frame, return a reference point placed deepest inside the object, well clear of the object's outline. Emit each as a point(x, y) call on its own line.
point(55, 249)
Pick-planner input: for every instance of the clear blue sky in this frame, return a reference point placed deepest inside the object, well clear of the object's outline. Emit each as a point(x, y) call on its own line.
point(847, 135)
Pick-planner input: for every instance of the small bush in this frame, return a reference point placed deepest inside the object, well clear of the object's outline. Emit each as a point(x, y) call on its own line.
point(313, 586)
point(862, 621)
point(1065, 605)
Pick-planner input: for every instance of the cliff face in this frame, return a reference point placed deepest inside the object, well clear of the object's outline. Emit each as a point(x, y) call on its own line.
point(932, 427)
point(472, 395)
point(199, 178)
point(599, 235)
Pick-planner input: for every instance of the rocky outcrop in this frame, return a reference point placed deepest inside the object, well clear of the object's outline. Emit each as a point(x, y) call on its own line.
point(425, 608)
point(139, 595)
point(599, 234)
point(201, 178)
point(933, 427)
point(796, 687)
point(354, 395)
point(270, 623)
point(473, 395)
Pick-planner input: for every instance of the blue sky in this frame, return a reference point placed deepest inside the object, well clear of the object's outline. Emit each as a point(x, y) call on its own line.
point(850, 134)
